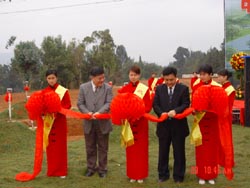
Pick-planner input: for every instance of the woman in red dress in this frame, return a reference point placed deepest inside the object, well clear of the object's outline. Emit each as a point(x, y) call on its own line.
point(207, 154)
point(223, 76)
point(137, 154)
point(57, 138)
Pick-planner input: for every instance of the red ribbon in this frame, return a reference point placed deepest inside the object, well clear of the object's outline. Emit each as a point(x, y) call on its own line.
point(25, 176)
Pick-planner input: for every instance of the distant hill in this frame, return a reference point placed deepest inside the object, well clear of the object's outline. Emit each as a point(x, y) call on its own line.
point(5, 58)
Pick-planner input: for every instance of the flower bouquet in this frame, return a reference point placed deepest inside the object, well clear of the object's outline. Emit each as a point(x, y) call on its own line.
point(237, 62)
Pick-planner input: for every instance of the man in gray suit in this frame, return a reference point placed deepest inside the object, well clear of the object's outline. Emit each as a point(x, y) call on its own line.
point(94, 98)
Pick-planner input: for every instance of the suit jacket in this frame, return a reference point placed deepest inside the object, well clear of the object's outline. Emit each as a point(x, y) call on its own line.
point(180, 101)
point(89, 101)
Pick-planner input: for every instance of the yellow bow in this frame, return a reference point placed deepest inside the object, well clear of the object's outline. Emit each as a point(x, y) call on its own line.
point(47, 125)
point(196, 136)
point(127, 137)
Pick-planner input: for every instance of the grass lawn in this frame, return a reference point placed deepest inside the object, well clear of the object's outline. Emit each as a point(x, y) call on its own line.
point(17, 153)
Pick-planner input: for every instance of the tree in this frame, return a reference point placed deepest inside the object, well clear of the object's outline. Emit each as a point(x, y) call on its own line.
point(76, 52)
point(56, 56)
point(27, 62)
point(140, 59)
point(181, 55)
point(215, 59)
point(121, 54)
point(102, 52)
point(4, 78)
point(9, 78)
point(193, 62)
point(148, 68)
point(122, 60)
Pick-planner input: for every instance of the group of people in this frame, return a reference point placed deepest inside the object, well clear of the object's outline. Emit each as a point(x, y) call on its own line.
point(170, 97)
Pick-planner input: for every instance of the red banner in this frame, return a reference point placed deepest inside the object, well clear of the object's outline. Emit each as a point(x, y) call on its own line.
point(245, 5)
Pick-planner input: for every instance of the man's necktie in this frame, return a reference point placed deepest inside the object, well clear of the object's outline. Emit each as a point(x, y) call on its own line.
point(170, 94)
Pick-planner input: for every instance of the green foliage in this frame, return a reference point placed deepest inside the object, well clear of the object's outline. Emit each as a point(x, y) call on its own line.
point(76, 52)
point(9, 78)
point(102, 53)
point(26, 63)
point(215, 58)
point(193, 62)
point(53, 51)
point(181, 55)
point(4, 78)
point(148, 68)
point(121, 54)
point(56, 56)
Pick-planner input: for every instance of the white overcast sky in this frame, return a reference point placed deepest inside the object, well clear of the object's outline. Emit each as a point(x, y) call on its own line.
point(153, 29)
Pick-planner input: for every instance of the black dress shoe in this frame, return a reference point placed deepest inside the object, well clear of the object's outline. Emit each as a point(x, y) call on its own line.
point(102, 175)
point(163, 179)
point(178, 181)
point(89, 174)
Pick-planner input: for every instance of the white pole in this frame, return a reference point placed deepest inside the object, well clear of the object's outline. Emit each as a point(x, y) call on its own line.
point(9, 101)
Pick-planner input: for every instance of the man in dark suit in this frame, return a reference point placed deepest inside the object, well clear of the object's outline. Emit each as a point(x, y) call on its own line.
point(94, 98)
point(171, 98)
